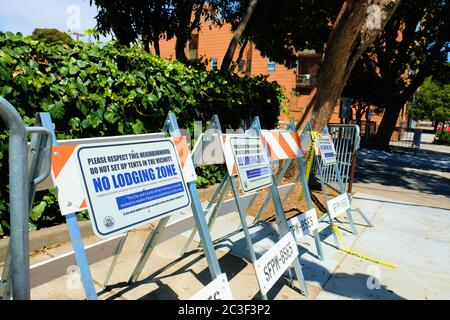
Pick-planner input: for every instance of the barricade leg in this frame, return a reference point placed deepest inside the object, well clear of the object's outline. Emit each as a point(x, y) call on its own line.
point(208, 207)
point(147, 250)
point(244, 226)
point(363, 215)
point(342, 189)
point(305, 188)
point(268, 197)
point(216, 209)
point(205, 236)
point(284, 230)
point(172, 127)
point(6, 280)
point(81, 257)
point(325, 196)
point(114, 261)
point(74, 231)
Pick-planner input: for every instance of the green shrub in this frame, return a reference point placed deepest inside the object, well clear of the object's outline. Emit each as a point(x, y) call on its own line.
point(107, 89)
point(442, 137)
point(50, 35)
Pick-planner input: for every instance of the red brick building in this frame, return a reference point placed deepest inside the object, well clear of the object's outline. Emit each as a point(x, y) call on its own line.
point(211, 42)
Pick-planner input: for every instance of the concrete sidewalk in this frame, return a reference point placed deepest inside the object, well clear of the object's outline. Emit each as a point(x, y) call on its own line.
point(414, 237)
point(407, 197)
point(424, 178)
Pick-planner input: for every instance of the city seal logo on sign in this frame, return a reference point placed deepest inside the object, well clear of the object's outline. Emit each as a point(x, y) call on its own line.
point(108, 222)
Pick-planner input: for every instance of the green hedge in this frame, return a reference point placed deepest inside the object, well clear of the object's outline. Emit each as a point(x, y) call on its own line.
point(442, 137)
point(107, 89)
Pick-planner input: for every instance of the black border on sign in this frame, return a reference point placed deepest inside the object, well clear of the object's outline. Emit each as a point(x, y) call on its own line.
point(234, 155)
point(90, 207)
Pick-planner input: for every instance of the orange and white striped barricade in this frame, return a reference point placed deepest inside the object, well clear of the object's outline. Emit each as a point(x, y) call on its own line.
point(285, 145)
point(246, 160)
point(280, 145)
point(125, 182)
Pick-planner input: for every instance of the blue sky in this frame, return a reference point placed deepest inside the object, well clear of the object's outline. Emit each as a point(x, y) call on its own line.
point(26, 15)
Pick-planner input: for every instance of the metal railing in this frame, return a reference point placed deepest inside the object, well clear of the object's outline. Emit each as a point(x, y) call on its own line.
point(29, 165)
point(306, 80)
point(346, 139)
point(393, 139)
point(18, 195)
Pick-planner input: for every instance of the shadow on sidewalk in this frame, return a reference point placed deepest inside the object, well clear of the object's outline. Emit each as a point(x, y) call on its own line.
point(344, 285)
point(399, 203)
point(405, 171)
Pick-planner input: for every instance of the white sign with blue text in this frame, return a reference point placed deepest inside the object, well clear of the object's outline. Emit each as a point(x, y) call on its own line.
point(130, 184)
point(325, 149)
point(271, 266)
point(245, 156)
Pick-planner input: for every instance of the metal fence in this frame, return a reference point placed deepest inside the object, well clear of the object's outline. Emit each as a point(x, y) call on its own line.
point(28, 166)
point(346, 139)
point(400, 139)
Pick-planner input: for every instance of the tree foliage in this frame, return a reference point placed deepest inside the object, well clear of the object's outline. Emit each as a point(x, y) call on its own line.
point(431, 102)
point(413, 46)
point(151, 20)
point(280, 30)
point(50, 35)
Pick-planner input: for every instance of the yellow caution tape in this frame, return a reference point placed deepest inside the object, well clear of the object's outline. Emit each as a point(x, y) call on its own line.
point(310, 158)
point(347, 249)
point(312, 151)
point(314, 136)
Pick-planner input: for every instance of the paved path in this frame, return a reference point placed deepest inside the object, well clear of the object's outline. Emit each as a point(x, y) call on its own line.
point(420, 179)
point(415, 238)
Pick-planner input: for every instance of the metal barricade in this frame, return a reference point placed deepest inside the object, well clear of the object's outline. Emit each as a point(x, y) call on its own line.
point(28, 166)
point(346, 139)
point(392, 139)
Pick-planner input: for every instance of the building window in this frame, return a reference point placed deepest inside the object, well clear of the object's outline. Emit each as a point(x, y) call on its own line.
point(345, 110)
point(271, 66)
point(213, 64)
point(193, 48)
point(241, 65)
point(193, 43)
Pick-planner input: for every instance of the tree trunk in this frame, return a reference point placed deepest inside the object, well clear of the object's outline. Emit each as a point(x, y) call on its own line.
point(387, 125)
point(360, 110)
point(156, 46)
point(180, 54)
point(353, 31)
point(435, 125)
point(240, 55)
point(146, 43)
point(184, 11)
point(228, 57)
